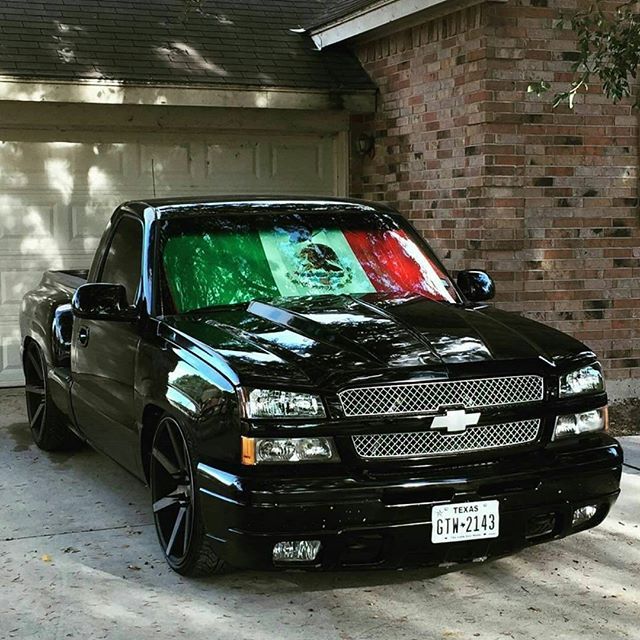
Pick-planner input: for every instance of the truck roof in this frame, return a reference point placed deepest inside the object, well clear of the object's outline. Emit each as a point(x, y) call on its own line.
point(201, 205)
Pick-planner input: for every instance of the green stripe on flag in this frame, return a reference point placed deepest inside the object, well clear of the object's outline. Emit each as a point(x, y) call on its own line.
point(213, 269)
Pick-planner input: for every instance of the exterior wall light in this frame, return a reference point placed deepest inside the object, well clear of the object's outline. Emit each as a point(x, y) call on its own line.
point(366, 145)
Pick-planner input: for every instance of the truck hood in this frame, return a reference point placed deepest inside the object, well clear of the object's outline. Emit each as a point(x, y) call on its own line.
point(330, 340)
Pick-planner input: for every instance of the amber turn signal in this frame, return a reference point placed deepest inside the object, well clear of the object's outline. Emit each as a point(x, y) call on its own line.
point(288, 450)
point(248, 450)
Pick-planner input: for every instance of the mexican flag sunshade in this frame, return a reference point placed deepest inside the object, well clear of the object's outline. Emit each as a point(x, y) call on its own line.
point(228, 267)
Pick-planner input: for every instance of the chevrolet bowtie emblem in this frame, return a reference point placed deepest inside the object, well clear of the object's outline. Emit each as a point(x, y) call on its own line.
point(455, 420)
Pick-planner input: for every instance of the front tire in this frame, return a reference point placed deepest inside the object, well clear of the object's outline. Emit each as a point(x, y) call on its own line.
point(175, 504)
point(48, 426)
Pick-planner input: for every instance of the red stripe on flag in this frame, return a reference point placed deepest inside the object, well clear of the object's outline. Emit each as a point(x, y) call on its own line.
point(388, 266)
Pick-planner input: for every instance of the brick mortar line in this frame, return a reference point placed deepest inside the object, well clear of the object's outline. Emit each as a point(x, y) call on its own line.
point(66, 533)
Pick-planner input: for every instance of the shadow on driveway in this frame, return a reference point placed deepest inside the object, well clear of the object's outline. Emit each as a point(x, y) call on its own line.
point(79, 558)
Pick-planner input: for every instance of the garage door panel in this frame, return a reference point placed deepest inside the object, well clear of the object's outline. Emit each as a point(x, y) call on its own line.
point(40, 224)
point(10, 366)
point(27, 223)
point(70, 171)
point(176, 163)
point(288, 164)
point(297, 160)
point(14, 283)
point(83, 221)
point(55, 166)
point(237, 161)
point(56, 197)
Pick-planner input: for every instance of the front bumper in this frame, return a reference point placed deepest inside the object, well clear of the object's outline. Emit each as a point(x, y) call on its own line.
point(384, 519)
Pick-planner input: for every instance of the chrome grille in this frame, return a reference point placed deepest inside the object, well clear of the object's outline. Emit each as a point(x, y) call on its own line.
point(434, 443)
point(429, 397)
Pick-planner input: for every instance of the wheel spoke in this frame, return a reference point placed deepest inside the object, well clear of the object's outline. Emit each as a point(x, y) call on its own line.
point(176, 529)
point(165, 462)
point(36, 415)
point(187, 523)
point(177, 449)
point(35, 389)
point(165, 502)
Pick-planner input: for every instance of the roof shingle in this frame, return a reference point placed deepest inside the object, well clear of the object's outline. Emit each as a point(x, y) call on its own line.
point(334, 9)
point(210, 42)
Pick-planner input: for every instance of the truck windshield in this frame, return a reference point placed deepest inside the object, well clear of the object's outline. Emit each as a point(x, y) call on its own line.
point(220, 259)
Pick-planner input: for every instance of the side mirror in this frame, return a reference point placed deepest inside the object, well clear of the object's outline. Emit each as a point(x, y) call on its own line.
point(476, 285)
point(100, 301)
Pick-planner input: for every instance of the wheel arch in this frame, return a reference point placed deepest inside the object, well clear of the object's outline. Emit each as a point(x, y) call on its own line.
point(37, 342)
point(151, 417)
point(26, 343)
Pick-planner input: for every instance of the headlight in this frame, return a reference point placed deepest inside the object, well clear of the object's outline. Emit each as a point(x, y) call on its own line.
point(273, 403)
point(587, 379)
point(286, 450)
point(577, 423)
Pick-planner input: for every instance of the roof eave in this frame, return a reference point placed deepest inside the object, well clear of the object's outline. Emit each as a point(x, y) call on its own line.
point(99, 91)
point(374, 16)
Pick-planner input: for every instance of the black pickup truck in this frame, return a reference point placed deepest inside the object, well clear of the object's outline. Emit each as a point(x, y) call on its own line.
point(302, 384)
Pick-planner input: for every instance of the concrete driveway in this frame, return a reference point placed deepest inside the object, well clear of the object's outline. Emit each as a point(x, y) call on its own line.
point(79, 559)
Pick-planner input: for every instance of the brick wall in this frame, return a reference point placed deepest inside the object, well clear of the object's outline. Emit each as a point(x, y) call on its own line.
point(544, 199)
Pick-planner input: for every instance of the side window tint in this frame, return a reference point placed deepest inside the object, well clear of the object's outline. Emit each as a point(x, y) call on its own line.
point(124, 257)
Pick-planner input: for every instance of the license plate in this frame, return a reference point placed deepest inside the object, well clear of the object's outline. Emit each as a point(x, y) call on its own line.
point(465, 521)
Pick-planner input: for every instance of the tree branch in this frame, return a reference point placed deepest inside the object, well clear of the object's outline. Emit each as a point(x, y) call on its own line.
point(608, 46)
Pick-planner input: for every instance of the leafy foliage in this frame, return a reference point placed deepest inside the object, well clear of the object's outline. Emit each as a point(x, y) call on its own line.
point(193, 6)
point(608, 50)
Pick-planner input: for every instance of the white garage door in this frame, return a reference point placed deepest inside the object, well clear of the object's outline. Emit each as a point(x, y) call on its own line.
point(55, 197)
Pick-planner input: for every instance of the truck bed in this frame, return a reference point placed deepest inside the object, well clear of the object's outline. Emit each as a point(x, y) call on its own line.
point(46, 313)
point(69, 279)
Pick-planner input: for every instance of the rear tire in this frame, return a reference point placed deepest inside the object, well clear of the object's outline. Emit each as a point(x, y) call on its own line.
point(176, 504)
point(48, 426)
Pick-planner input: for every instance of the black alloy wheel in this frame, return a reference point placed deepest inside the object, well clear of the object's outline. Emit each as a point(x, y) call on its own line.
point(48, 427)
point(175, 504)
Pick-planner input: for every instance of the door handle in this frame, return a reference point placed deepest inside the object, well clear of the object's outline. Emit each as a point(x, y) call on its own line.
point(83, 336)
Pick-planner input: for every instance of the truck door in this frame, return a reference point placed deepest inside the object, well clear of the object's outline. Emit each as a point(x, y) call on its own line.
point(103, 354)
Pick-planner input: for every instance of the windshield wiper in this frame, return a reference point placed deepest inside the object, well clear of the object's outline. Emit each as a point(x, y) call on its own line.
point(234, 306)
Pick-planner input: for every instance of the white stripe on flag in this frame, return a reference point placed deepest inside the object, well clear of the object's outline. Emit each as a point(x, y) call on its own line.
point(296, 275)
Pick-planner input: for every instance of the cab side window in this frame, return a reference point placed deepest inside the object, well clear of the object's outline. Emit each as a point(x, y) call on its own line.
point(123, 261)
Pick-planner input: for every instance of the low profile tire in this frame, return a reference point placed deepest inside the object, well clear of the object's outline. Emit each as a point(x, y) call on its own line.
point(175, 504)
point(48, 426)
